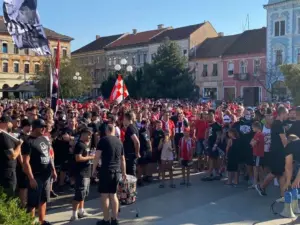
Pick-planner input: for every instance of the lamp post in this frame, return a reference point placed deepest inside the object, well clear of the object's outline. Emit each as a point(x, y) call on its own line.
point(123, 67)
point(77, 78)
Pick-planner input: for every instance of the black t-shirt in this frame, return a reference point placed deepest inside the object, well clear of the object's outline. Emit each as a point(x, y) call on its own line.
point(40, 161)
point(157, 135)
point(144, 140)
point(214, 128)
point(276, 143)
point(295, 128)
point(112, 150)
point(61, 150)
point(95, 127)
point(7, 145)
point(244, 127)
point(128, 142)
point(82, 168)
point(293, 148)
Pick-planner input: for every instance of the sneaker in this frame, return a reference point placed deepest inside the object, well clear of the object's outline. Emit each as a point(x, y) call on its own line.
point(83, 215)
point(103, 222)
point(280, 200)
point(114, 222)
point(251, 186)
point(260, 191)
point(46, 223)
point(74, 218)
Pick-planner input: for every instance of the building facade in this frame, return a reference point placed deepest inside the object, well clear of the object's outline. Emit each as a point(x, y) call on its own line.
point(283, 38)
point(92, 57)
point(19, 66)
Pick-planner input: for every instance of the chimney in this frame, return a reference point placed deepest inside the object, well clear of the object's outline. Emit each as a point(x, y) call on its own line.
point(221, 34)
point(134, 31)
point(97, 36)
point(160, 26)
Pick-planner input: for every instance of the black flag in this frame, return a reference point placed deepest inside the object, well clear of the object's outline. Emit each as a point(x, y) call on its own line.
point(23, 24)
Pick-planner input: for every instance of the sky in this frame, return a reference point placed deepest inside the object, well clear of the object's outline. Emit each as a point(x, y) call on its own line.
point(84, 19)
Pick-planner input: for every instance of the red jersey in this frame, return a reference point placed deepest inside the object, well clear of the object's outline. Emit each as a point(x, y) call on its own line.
point(186, 148)
point(201, 127)
point(259, 148)
point(169, 126)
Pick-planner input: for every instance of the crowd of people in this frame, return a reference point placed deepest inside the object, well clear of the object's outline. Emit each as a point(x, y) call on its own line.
point(104, 142)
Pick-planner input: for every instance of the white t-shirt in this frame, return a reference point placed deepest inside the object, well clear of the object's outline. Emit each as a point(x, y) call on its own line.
point(267, 137)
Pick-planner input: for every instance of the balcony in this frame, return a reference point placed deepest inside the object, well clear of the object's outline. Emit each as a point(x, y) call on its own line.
point(241, 77)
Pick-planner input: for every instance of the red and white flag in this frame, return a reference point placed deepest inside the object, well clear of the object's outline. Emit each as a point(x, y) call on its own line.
point(119, 91)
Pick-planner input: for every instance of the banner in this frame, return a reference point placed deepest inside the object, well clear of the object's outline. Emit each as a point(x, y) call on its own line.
point(55, 79)
point(23, 24)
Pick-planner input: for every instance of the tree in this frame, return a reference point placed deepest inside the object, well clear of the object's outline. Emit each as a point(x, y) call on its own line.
point(291, 74)
point(68, 87)
point(168, 76)
point(107, 85)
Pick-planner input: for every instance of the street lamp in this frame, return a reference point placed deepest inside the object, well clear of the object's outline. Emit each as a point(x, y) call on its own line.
point(125, 68)
point(77, 76)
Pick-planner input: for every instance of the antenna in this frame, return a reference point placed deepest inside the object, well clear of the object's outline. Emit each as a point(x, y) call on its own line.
point(246, 25)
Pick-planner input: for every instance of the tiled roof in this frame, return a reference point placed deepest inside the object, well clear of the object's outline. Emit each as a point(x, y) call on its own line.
point(177, 33)
point(98, 44)
point(249, 42)
point(214, 47)
point(49, 33)
point(137, 39)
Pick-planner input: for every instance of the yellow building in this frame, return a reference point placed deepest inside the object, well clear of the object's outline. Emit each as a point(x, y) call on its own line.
point(18, 66)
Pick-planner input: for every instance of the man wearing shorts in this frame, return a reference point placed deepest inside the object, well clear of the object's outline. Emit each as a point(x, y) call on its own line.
point(38, 167)
point(111, 152)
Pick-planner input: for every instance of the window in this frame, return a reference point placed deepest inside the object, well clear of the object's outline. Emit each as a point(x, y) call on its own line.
point(115, 61)
point(211, 93)
point(184, 52)
point(133, 60)
point(256, 66)
point(54, 52)
point(65, 53)
point(280, 28)
point(5, 67)
point(204, 72)
point(16, 67)
point(278, 59)
point(139, 59)
point(4, 48)
point(36, 68)
point(153, 56)
point(145, 58)
point(109, 61)
point(26, 68)
point(26, 51)
point(230, 68)
point(243, 67)
point(215, 70)
point(16, 50)
point(298, 55)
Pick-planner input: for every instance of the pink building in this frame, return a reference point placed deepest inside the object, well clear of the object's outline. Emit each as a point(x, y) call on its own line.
point(244, 68)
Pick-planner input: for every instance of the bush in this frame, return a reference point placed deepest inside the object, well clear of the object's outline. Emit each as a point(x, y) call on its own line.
point(11, 213)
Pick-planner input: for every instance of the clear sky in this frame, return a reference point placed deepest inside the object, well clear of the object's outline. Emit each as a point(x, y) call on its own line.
point(84, 19)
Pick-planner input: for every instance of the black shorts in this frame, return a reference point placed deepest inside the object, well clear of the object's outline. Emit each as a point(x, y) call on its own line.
point(131, 166)
point(258, 161)
point(186, 163)
point(246, 156)
point(82, 188)
point(9, 182)
point(277, 164)
point(232, 163)
point(156, 156)
point(213, 154)
point(64, 167)
point(145, 158)
point(39, 195)
point(267, 159)
point(108, 181)
point(22, 179)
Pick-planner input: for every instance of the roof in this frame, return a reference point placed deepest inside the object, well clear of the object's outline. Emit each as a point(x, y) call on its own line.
point(177, 33)
point(137, 39)
point(249, 42)
point(49, 33)
point(98, 44)
point(215, 47)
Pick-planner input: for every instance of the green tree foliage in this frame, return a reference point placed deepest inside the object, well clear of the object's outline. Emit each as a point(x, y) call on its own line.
point(291, 74)
point(69, 88)
point(107, 85)
point(167, 77)
point(11, 213)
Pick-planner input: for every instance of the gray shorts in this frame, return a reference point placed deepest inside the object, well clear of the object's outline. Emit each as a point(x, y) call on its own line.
point(39, 195)
point(82, 188)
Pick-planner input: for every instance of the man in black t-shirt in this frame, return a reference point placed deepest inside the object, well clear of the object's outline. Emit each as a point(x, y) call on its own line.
point(111, 152)
point(277, 155)
point(295, 126)
point(10, 150)
point(83, 162)
point(131, 144)
point(213, 139)
point(38, 167)
point(292, 158)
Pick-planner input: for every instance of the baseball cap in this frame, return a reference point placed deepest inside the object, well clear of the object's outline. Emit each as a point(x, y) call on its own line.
point(39, 123)
point(25, 123)
point(226, 119)
point(5, 119)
